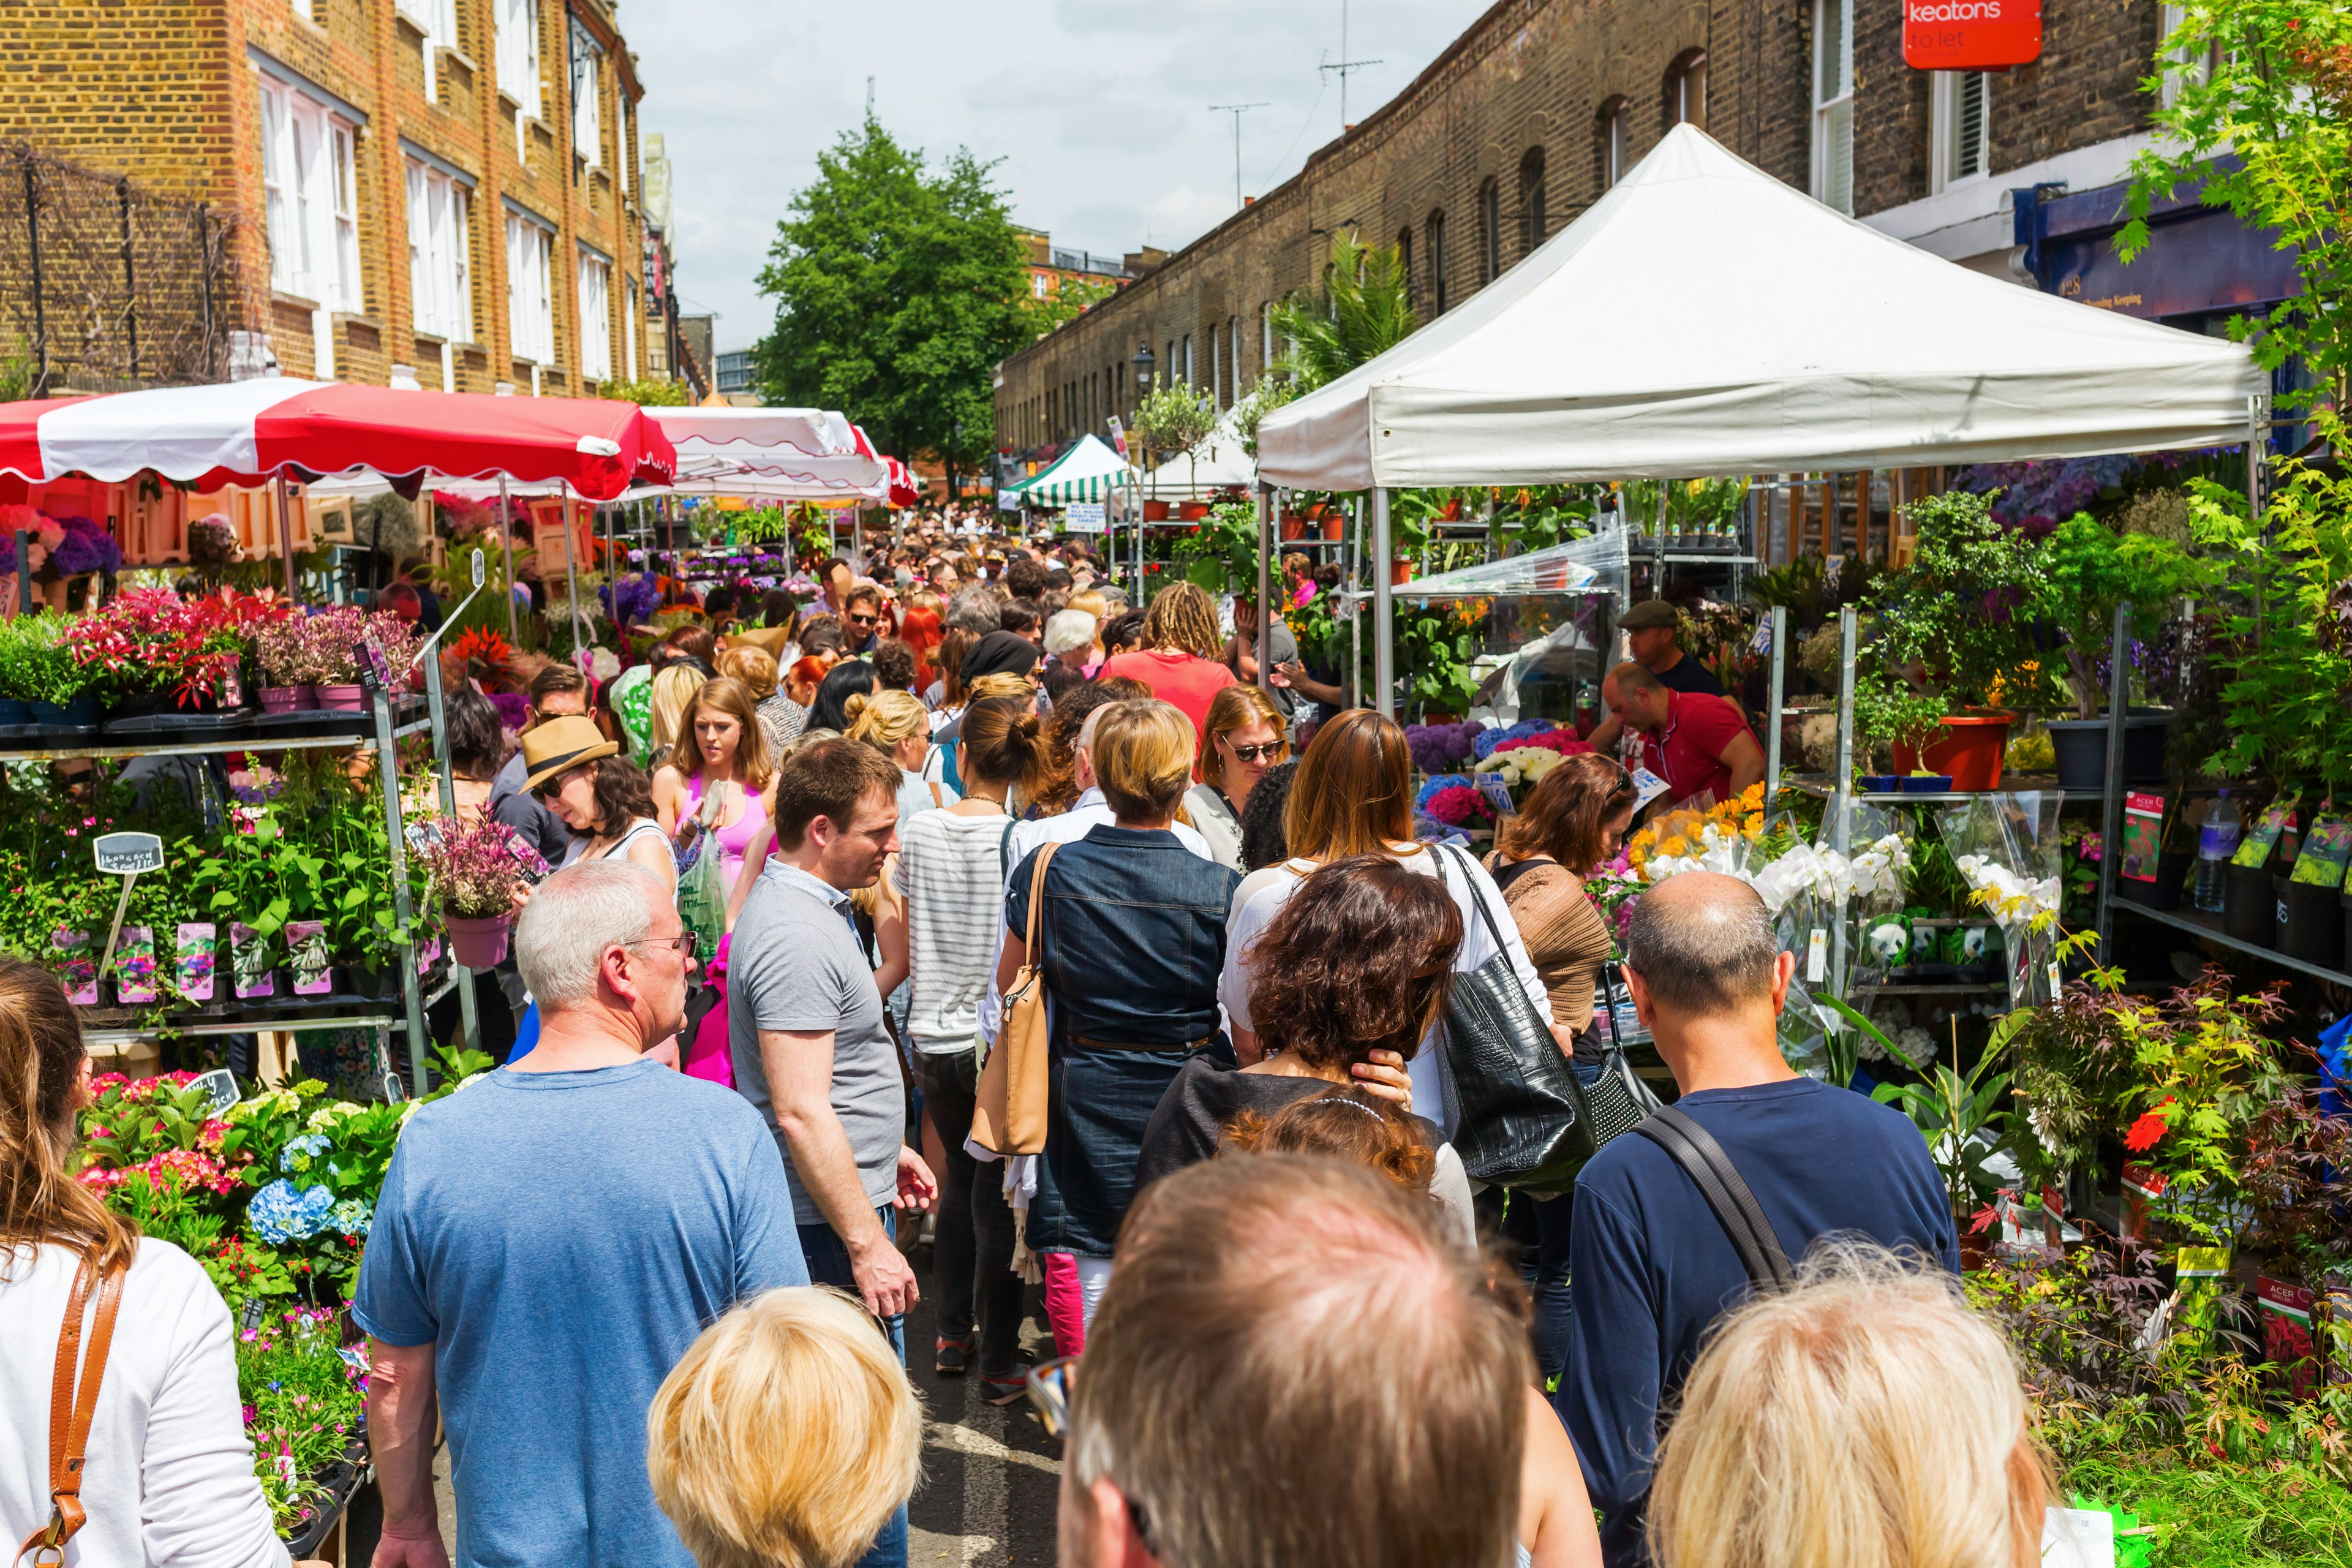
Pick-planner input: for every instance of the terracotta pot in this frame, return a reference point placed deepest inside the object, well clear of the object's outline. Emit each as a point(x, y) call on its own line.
point(343, 699)
point(1292, 526)
point(1399, 574)
point(1314, 509)
point(1155, 511)
point(1193, 510)
point(478, 943)
point(1970, 751)
point(1335, 529)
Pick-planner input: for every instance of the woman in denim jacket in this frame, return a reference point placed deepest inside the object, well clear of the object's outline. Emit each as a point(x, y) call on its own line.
point(1133, 937)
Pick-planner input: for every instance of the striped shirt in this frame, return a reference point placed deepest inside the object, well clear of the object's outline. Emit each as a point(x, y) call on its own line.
point(954, 889)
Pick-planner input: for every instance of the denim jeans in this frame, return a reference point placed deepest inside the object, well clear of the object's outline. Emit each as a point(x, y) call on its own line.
point(977, 1287)
point(829, 1263)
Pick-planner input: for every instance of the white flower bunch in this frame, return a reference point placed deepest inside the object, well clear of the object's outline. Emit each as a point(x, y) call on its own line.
point(1711, 848)
point(1831, 876)
point(1520, 763)
point(2015, 901)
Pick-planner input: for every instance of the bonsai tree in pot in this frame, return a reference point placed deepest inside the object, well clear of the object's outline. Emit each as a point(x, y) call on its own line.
point(1953, 627)
point(2087, 570)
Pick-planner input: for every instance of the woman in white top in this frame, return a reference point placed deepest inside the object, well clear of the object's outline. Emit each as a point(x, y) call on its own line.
point(950, 876)
point(167, 1476)
point(1354, 795)
point(601, 795)
point(1241, 737)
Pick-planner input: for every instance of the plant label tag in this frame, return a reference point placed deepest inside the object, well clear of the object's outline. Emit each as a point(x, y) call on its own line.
point(1497, 794)
point(219, 1087)
point(1648, 785)
point(2057, 981)
point(2078, 1538)
point(1817, 958)
point(129, 854)
point(1762, 643)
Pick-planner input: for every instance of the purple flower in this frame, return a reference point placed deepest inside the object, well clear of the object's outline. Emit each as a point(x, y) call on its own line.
point(514, 709)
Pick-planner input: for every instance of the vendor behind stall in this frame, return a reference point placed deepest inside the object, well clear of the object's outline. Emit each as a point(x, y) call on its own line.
point(1652, 631)
point(1693, 741)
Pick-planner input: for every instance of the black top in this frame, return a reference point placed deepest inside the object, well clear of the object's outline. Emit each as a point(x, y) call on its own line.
point(1205, 1101)
point(1689, 675)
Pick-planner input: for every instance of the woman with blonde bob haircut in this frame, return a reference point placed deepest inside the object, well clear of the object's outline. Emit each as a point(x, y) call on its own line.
point(1866, 1418)
point(786, 1437)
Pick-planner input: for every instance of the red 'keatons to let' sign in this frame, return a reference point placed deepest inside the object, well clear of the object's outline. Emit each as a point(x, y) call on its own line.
point(1971, 35)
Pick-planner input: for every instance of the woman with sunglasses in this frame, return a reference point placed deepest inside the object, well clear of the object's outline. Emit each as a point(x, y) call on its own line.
point(602, 797)
point(1241, 737)
point(1569, 825)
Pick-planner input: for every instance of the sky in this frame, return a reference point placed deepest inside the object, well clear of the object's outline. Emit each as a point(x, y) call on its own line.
point(1098, 110)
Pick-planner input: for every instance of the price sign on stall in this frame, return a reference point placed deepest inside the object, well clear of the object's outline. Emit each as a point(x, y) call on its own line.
point(1971, 35)
point(124, 855)
point(1084, 517)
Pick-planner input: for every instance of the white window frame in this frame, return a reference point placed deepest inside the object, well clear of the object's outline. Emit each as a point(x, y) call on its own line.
point(1265, 335)
point(596, 317)
point(620, 137)
point(2181, 65)
point(1696, 66)
point(587, 99)
point(1946, 103)
point(440, 262)
point(438, 20)
point(1832, 96)
point(310, 196)
point(1216, 369)
point(517, 47)
point(530, 293)
point(629, 327)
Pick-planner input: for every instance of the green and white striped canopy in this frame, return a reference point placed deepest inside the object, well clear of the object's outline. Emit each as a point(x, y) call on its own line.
point(1088, 471)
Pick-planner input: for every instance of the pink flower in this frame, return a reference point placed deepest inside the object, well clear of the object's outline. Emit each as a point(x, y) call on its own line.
point(1457, 806)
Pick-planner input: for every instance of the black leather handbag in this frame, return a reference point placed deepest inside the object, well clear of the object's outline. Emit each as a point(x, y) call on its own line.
point(1524, 1123)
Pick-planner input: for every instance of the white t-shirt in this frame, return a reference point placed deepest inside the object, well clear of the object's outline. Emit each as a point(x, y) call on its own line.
point(170, 1473)
point(955, 907)
point(1263, 893)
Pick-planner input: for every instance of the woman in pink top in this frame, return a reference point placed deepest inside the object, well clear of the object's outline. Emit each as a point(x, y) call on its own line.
point(1178, 659)
point(722, 782)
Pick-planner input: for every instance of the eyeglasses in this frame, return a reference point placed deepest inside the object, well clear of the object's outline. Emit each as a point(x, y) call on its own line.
point(1272, 751)
point(682, 943)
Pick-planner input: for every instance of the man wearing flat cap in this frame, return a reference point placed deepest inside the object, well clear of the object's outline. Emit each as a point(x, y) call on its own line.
point(1652, 631)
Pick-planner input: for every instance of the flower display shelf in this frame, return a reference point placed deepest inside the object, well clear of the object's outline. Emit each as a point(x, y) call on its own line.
point(2196, 923)
point(347, 729)
point(342, 1481)
point(2011, 783)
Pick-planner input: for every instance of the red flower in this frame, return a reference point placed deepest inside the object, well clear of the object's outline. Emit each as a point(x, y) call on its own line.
point(2151, 1127)
point(1981, 1221)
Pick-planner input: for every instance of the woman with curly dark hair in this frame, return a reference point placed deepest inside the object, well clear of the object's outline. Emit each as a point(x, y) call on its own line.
point(1347, 978)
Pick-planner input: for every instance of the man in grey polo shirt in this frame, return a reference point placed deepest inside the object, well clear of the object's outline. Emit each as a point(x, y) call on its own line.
point(804, 1022)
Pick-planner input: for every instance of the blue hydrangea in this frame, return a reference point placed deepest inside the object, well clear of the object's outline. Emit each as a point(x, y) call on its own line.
point(1421, 796)
point(1489, 742)
point(298, 1154)
point(352, 1216)
point(281, 1212)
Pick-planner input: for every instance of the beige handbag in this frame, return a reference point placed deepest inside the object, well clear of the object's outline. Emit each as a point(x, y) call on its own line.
point(1008, 1113)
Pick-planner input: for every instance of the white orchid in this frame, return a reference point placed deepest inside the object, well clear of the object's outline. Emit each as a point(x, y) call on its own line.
point(2016, 902)
point(1831, 876)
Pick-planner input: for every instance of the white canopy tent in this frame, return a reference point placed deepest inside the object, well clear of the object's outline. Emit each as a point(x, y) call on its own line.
point(1703, 318)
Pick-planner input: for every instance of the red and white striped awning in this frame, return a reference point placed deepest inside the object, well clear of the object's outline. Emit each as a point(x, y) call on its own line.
point(737, 434)
point(248, 432)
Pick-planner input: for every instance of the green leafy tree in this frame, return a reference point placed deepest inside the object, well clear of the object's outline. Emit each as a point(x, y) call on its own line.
point(645, 394)
point(2270, 82)
point(898, 289)
point(1175, 420)
point(1364, 310)
point(1073, 298)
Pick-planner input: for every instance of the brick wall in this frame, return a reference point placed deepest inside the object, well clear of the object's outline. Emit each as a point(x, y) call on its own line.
point(164, 92)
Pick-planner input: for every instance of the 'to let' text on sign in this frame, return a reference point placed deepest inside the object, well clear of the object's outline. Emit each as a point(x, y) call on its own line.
point(1971, 35)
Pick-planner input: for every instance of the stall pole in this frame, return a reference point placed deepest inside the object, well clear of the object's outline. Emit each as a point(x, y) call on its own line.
point(23, 573)
point(2111, 817)
point(1780, 693)
point(1264, 629)
point(571, 575)
point(1356, 615)
point(1383, 609)
point(506, 537)
point(470, 1020)
point(411, 996)
point(285, 535)
point(1842, 787)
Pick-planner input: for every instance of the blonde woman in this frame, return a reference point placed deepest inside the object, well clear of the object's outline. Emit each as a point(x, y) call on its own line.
point(1240, 738)
point(898, 724)
point(1866, 1418)
point(787, 1436)
point(1133, 929)
point(720, 777)
point(1179, 659)
point(673, 694)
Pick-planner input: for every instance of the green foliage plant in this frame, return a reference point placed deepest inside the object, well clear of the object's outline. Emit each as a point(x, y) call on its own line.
point(1174, 420)
point(1363, 310)
point(2087, 570)
point(645, 394)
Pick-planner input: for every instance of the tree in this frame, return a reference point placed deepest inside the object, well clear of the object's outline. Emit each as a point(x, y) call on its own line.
point(1364, 311)
point(898, 289)
point(1175, 419)
point(2266, 88)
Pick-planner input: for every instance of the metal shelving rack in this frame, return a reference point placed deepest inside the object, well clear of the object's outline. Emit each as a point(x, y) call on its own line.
point(387, 733)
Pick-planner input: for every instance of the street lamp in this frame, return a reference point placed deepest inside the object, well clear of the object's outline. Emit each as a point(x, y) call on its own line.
point(1143, 363)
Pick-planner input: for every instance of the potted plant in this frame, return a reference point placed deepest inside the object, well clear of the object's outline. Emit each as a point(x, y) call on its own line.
point(1223, 549)
point(336, 640)
point(61, 690)
point(19, 660)
point(474, 870)
point(1952, 626)
point(2087, 570)
point(283, 647)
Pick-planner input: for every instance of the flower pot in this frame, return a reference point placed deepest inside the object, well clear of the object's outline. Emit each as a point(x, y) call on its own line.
point(2249, 908)
point(134, 966)
point(1970, 750)
point(1399, 574)
point(1292, 526)
point(343, 699)
point(2081, 748)
point(2173, 868)
point(1335, 529)
point(1927, 784)
point(307, 955)
point(1192, 510)
point(289, 698)
point(15, 710)
point(250, 955)
point(82, 712)
point(478, 943)
point(2310, 922)
point(2344, 913)
point(1155, 511)
point(191, 961)
point(140, 705)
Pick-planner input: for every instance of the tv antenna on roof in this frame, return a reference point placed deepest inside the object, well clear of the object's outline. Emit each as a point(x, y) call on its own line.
point(1237, 111)
point(1343, 67)
point(869, 98)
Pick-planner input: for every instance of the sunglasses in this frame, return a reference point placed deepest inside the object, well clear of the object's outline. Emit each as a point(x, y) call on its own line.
point(856, 620)
point(1272, 751)
point(1049, 1384)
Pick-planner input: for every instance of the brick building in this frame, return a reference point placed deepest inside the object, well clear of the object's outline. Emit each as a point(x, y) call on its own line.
point(441, 193)
point(1527, 116)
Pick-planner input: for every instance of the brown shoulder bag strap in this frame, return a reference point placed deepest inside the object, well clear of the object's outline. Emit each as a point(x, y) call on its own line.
point(1037, 902)
point(72, 1405)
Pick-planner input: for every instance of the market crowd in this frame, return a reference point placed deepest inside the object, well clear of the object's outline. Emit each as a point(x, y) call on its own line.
point(1020, 913)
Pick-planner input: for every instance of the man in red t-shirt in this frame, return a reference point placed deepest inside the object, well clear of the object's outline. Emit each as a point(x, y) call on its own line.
point(1694, 741)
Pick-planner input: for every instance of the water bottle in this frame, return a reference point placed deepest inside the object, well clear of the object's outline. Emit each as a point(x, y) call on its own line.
point(2217, 840)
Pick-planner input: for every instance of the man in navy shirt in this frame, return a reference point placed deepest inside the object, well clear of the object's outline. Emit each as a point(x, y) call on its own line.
point(1651, 1267)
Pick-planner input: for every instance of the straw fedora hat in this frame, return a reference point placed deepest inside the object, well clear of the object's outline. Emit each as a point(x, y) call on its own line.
point(560, 743)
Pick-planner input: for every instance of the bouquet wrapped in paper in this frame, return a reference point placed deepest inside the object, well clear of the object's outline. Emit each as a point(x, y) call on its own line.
point(2005, 848)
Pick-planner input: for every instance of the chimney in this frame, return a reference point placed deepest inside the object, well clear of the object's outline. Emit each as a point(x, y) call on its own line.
point(1249, 201)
